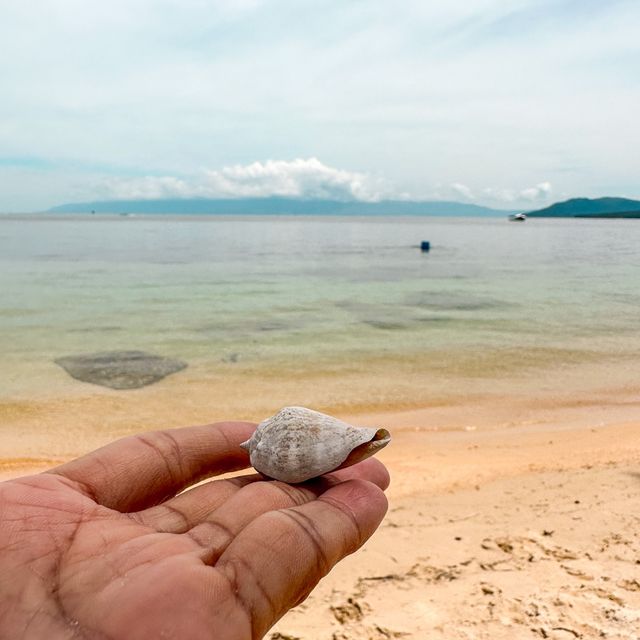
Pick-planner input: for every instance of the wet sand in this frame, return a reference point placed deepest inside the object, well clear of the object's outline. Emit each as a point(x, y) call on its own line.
point(66, 418)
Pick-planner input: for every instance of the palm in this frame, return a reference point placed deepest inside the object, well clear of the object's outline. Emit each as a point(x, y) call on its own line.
point(103, 546)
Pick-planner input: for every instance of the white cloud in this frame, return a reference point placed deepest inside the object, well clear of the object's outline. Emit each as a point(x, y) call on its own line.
point(300, 178)
point(538, 193)
point(462, 191)
point(492, 196)
point(146, 188)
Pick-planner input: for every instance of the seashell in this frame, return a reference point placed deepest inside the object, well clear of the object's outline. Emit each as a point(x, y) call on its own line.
point(298, 444)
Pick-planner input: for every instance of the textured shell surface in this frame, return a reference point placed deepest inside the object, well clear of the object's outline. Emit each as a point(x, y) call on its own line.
point(298, 443)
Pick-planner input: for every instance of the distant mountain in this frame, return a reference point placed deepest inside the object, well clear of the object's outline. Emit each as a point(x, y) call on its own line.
point(591, 208)
point(281, 206)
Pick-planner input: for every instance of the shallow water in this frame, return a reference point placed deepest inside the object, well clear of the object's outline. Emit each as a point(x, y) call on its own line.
point(492, 298)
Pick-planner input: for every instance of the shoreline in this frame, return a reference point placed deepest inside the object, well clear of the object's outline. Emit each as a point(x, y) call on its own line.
point(47, 431)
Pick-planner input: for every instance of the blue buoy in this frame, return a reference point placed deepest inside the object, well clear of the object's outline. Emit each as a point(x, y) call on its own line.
point(425, 246)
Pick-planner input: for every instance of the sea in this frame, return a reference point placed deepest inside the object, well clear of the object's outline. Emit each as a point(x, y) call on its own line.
point(492, 299)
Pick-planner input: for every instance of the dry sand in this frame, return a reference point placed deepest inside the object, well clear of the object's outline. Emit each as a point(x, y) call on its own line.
point(506, 521)
point(523, 533)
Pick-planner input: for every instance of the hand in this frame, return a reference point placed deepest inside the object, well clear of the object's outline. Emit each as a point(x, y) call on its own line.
point(105, 547)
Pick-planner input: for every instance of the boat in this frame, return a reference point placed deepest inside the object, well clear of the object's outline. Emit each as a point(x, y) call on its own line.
point(518, 217)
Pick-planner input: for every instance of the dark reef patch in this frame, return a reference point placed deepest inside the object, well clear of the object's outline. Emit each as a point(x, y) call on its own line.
point(120, 369)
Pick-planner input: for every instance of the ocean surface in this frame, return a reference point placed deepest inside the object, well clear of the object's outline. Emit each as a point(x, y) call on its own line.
point(491, 299)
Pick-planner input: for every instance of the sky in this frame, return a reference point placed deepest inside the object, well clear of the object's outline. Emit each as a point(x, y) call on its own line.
point(506, 103)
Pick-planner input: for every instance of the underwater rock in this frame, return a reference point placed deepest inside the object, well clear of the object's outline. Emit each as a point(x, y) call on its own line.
point(120, 369)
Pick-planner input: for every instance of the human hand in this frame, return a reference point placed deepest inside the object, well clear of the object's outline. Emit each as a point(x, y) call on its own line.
point(104, 546)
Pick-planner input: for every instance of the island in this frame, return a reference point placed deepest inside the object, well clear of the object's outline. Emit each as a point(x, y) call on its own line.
point(590, 208)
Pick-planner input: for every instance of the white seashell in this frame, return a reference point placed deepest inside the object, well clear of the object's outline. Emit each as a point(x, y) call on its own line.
point(298, 444)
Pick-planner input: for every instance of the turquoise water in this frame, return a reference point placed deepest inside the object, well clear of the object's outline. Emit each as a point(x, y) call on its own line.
point(294, 289)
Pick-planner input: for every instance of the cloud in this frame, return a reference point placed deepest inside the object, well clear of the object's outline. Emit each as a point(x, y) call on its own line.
point(147, 188)
point(462, 190)
point(541, 192)
point(300, 178)
point(538, 193)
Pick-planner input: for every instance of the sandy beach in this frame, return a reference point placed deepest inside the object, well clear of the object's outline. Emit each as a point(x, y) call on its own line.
point(509, 521)
point(525, 533)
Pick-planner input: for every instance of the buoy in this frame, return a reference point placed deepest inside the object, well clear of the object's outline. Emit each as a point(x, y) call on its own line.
point(425, 246)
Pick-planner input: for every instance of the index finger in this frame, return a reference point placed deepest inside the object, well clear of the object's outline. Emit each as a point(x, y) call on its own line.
point(142, 470)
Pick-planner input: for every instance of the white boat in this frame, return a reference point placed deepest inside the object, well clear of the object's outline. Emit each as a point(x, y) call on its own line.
point(518, 217)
